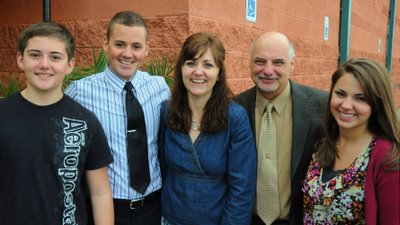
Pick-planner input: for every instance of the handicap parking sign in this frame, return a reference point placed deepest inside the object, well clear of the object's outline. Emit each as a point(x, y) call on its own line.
point(251, 10)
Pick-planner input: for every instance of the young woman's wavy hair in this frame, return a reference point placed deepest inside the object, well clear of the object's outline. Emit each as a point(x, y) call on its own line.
point(383, 122)
point(216, 109)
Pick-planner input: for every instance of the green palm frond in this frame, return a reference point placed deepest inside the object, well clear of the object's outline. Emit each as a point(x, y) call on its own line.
point(14, 85)
point(99, 65)
point(162, 66)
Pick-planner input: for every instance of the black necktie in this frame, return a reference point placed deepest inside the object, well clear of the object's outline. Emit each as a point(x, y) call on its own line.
point(137, 142)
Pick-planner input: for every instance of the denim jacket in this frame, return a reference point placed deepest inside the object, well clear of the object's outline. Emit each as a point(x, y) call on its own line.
point(213, 180)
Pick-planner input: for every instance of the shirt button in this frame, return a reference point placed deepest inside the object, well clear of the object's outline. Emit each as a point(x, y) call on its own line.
point(268, 156)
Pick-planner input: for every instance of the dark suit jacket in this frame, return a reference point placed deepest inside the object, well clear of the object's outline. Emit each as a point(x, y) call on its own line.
point(309, 106)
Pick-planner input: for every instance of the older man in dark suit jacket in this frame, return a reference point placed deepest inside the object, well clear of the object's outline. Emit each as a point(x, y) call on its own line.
point(298, 113)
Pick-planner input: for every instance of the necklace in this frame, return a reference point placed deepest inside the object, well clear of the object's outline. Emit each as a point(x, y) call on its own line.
point(195, 126)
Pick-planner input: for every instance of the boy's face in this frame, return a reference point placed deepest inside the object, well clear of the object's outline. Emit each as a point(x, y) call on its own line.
point(126, 50)
point(45, 63)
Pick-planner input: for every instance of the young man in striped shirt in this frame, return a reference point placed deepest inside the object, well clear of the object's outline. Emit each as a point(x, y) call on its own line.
point(126, 48)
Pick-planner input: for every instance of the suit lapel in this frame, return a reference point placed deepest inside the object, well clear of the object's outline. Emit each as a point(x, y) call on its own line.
point(301, 123)
point(248, 101)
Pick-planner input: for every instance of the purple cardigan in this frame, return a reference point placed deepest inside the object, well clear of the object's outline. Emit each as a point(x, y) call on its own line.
point(382, 189)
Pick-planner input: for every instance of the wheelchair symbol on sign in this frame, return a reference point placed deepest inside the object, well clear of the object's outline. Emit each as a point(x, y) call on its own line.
point(251, 11)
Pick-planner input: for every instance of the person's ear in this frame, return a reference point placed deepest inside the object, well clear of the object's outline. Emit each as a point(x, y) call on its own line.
point(105, 47)
point(147, 49)
point(20, 59)
point(292, 65)
point(70, 66)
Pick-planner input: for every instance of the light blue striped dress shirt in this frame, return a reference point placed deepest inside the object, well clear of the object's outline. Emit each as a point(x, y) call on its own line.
point(103, 94)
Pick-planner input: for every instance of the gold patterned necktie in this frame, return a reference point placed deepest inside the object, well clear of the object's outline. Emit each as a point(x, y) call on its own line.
point(267, 201)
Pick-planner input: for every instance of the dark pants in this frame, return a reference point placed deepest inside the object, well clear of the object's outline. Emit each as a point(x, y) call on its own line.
point(148, 214)
point(256, 220)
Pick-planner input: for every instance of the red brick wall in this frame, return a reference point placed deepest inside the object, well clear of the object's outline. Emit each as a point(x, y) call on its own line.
point(171, 21)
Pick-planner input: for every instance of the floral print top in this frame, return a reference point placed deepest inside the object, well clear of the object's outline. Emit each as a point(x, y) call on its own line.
point(340, 200)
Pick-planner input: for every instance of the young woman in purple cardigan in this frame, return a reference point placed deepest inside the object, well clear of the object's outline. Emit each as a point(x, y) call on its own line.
point(354, 176)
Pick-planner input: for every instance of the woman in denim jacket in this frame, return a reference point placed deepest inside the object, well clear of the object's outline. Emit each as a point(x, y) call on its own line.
point(207, 151)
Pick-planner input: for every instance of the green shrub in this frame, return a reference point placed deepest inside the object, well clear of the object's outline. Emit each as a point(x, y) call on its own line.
point(159, 66)
point(162, 67)
point(99, 65)
point(13, 85)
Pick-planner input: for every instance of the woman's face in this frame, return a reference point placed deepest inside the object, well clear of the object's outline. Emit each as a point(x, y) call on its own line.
point(348, 104)
point(200, 74)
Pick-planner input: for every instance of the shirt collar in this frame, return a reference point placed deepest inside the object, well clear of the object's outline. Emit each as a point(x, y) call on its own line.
point(279, 102)
point(117, 83)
